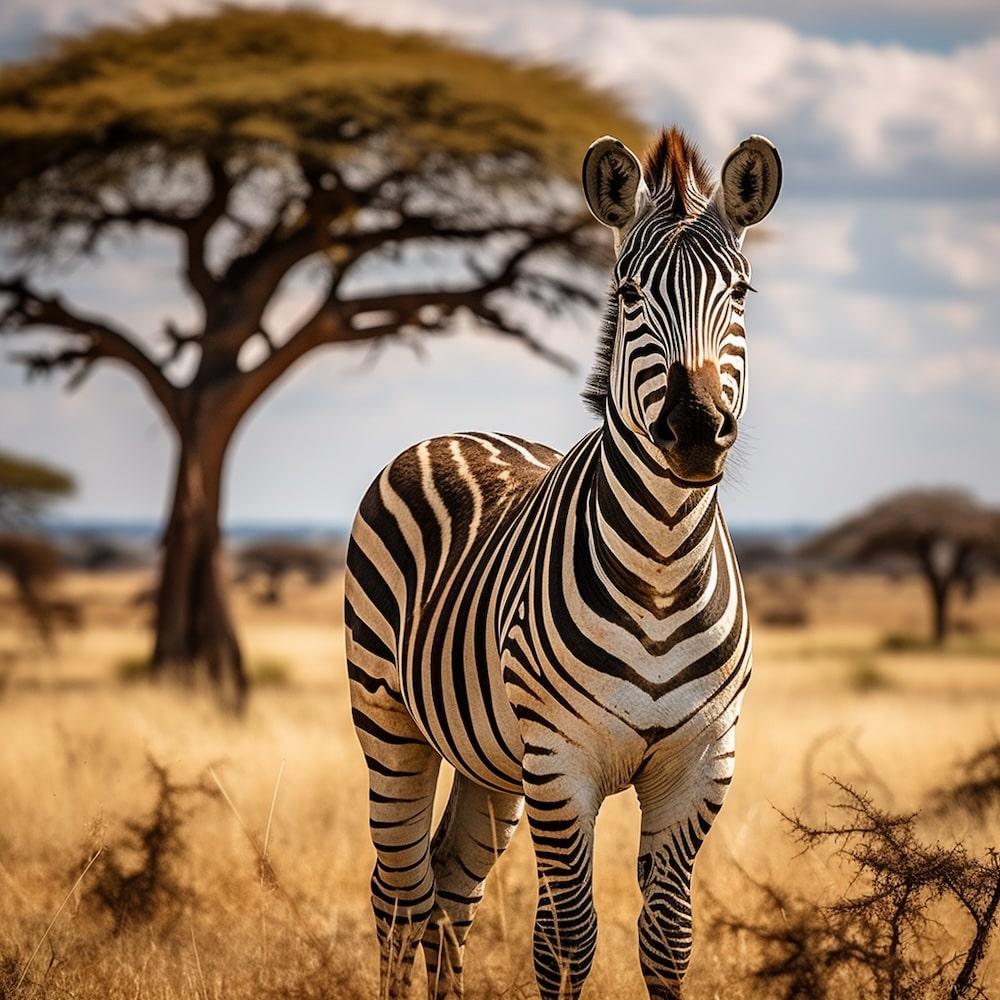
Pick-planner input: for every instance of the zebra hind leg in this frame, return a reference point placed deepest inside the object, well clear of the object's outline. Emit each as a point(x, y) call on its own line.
point(474, 831)
point(403, 770)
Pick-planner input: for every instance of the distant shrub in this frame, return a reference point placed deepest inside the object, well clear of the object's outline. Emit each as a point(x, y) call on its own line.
point(784, 616)
point(900, 642)
point(33, 563)
point(965, 642)
point(865, 676)
point(275, 560)
point(977, 791)
point(268, 672)
point(132, 669)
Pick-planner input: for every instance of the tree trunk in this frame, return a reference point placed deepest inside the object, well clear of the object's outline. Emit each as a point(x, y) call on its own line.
point(195, 637)
point(939, 595)
point(941, 561)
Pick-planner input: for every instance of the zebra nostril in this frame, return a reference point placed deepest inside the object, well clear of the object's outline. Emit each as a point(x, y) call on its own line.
point(726, 434)
point(663, 431)
point(687, 426)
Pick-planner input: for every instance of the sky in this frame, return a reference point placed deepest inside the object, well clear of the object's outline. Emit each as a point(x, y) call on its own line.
point(874, 349)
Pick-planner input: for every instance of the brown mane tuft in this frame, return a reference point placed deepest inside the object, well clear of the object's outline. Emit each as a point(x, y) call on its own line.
point(671, 163)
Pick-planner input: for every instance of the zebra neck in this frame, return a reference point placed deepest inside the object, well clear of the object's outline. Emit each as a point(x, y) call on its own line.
point(651, 538)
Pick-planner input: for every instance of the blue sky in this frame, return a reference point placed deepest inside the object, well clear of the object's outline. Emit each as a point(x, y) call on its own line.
point(874, 349)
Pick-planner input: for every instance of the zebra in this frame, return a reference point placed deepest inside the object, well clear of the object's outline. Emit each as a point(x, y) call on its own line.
point(561, 627)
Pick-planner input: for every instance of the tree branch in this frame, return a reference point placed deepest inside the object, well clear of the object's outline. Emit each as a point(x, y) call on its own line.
point(196, 231)
point(28, 309)
point(336, 321)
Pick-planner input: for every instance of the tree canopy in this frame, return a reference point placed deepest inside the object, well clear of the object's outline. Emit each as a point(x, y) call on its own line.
point(259, 140)
point(26, 486)
point(262, 87)
point(946, 534)
point(296, 79)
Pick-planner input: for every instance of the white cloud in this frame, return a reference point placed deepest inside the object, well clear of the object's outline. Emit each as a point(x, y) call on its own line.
point(820, 236)
point(843, 111)
point(779, 373)
point(959, 242)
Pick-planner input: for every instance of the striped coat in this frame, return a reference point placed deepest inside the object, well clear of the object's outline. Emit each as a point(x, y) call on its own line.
point(559, 628)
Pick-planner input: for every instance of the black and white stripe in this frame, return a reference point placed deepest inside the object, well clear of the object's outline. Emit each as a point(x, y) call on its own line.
point(559, 628)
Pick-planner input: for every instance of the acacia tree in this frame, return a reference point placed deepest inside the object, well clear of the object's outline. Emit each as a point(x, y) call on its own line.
point(262, 140)
point(946, 534)
point(26, 488)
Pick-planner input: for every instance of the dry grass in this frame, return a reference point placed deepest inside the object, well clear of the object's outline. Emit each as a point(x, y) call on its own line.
point(271, 879)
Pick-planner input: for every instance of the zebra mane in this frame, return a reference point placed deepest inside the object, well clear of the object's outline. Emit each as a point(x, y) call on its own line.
point(672, 167)
point(595, 392)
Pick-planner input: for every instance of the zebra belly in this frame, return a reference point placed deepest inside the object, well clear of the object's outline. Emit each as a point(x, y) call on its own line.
point(461, 707)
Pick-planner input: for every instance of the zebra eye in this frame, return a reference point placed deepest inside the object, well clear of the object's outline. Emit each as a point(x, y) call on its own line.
point(740, 289)
point(629, 292)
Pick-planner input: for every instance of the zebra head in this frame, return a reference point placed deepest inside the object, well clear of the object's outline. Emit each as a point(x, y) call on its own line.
point(672, 366)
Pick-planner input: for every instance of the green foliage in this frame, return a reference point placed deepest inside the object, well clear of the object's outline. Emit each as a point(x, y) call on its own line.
point(248, 83)
point(901, 642)
point(26, 486)
point(866, 677)
point(269, 672)
point(25, 474)
point(133, 669)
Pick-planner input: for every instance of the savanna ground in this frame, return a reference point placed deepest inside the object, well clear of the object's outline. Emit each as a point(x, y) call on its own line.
point(230, 859)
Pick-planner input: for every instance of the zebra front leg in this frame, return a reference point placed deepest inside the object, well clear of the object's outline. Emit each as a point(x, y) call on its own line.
point(474, 831)
point(403, 770)
point(679, 801)
point(565, 938)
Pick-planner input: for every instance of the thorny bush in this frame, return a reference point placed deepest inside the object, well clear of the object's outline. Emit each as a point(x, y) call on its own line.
point(884, 936)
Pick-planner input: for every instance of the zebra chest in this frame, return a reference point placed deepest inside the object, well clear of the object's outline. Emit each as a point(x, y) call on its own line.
point(628, 682)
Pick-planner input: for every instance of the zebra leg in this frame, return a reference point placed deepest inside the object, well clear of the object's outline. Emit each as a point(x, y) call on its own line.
point(403, 770)
point(565, 938)
point(474, 831)
point(679, 801)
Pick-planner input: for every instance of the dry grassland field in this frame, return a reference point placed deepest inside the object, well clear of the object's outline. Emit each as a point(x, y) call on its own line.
point(151, 847)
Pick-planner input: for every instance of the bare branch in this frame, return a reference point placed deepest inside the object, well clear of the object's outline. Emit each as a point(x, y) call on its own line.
point(29, 309)
point(179, 340)
point(196, 231)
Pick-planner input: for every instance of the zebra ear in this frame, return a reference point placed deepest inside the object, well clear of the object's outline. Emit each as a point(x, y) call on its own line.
point(613, 184)
point(751, 180)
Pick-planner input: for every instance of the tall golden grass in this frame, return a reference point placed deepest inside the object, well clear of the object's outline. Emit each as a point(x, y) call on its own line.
point(266, 877)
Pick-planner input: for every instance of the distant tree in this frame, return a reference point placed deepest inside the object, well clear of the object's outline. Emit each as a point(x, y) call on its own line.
point(26, 488)
point(262, 140)
point(31, 561)
point(276, 559)
point(944, 533)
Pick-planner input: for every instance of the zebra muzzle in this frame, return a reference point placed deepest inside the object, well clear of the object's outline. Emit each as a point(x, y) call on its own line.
point(695, 427)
